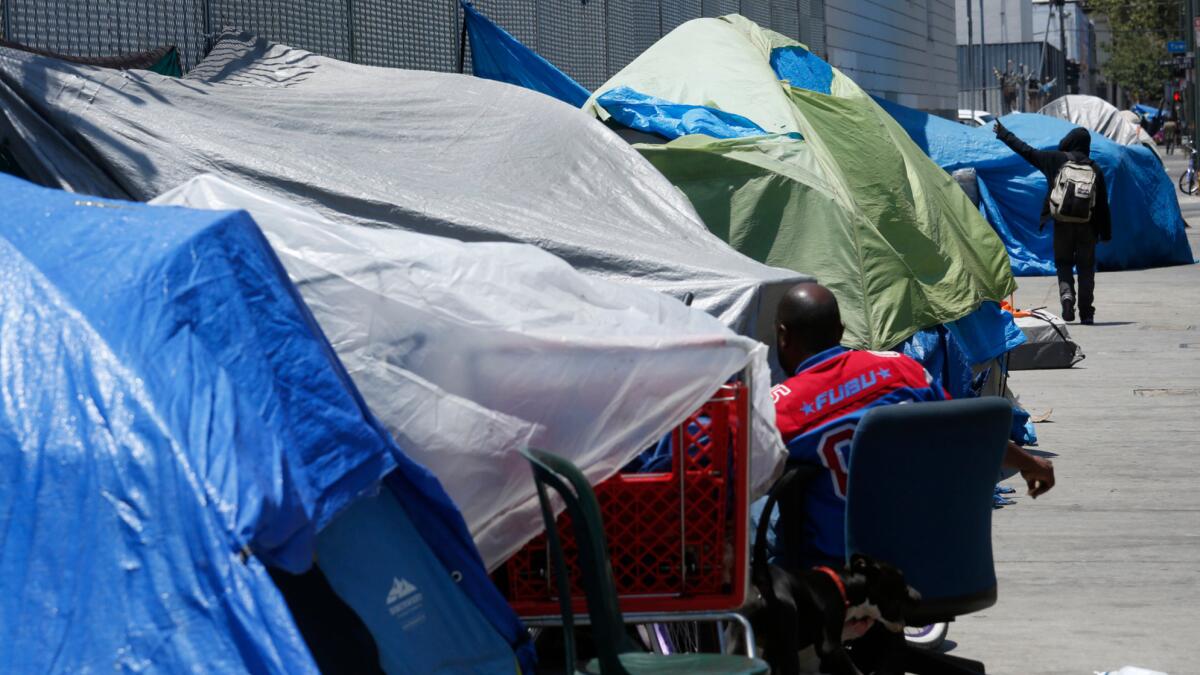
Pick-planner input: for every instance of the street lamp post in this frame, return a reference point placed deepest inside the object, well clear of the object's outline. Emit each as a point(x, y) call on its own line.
point(1193, 105)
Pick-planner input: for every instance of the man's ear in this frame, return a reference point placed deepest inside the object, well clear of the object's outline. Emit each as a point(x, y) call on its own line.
point(781, 336)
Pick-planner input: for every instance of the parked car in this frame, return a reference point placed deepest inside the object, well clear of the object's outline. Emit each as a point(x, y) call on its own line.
point(975, 118)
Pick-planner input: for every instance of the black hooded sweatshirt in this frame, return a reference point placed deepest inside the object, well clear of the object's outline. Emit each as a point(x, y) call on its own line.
point(1075, 146)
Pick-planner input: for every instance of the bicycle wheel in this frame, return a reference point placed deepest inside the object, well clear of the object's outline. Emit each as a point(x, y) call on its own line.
point(1187, 183)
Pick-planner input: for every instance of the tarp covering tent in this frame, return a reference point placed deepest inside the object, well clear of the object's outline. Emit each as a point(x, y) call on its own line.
point(466, 352)
point(163, 60)
point(1148, 229)
point(836, 187)
point(435, 153)
point(173, 422)
point(1100, 116)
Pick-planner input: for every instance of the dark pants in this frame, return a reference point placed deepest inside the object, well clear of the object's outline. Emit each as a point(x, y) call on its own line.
point(1075, 247)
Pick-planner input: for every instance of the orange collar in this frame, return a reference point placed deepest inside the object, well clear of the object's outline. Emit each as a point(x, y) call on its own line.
point(837, 580)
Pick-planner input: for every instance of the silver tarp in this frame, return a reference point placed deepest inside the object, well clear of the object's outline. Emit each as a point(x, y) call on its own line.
point(468, 352)
point(1102, 117)
point(432, 153)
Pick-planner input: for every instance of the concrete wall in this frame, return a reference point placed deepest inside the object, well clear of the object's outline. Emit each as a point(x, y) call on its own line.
point(1002, 21)
point(901, 50)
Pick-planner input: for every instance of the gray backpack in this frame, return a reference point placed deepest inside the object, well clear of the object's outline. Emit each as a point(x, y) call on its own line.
point(1074, 193)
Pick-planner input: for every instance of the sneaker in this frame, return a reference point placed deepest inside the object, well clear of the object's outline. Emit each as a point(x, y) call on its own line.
point(1087, 319)
point(1068, 313)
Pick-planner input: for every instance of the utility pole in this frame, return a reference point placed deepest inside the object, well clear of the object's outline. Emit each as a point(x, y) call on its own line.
point(1192, 91)
point(1062, 39)
point(971, 58)
point(983, 80)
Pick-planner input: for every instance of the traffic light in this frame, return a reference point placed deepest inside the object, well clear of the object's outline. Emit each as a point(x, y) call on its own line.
point(1072, 75)
point(1176, 97)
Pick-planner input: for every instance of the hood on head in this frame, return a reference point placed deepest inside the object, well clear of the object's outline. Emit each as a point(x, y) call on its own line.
point(1077, 140)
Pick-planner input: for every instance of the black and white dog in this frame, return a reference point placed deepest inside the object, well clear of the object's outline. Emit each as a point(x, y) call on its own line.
point(804, 617)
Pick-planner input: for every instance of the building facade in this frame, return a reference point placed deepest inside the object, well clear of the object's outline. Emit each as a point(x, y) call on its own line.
point(900, 50)
point(1024, 36)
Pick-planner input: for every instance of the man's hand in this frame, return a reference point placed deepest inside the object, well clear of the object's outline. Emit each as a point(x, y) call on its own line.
point(1039, 476)
point(999, 129)
point(1037, 472)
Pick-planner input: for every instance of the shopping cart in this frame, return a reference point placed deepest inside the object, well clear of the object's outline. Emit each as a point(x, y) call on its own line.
point(678, 541)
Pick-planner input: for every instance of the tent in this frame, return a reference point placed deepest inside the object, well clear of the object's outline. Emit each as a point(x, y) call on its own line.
point(829, 183)
point(467, 352)
point(1048, 343)
point(1148, 229)
point(163, 60)
point(434, 153)
point(1100, 116)
point(174, 423)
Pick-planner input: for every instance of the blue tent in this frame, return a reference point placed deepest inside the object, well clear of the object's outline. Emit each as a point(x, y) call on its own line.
point(1148, 229)
point(172, 422)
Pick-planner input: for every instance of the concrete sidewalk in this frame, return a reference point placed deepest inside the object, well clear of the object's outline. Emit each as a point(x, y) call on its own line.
point(1104, 571)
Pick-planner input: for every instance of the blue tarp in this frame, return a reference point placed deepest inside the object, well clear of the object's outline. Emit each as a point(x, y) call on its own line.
point(987, 333)
point(1148, 229)
point(1149, 112)
point(496, 55)
point(169, 405)
point(670, 120)
point(802, 69)
point(947, 363)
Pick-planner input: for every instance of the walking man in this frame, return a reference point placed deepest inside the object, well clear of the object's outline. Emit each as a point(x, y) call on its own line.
point(1170, 133)
point(1078, 203)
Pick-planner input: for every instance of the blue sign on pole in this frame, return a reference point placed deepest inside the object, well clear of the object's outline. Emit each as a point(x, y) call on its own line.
point(1176, 47)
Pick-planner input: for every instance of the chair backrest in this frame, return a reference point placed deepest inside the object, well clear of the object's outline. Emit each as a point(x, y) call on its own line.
point(920, 498)
point(608, 626)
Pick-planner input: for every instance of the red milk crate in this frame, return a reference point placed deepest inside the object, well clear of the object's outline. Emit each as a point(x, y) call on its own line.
point(677, 541)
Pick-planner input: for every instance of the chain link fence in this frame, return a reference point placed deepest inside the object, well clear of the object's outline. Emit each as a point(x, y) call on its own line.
point(589, 39)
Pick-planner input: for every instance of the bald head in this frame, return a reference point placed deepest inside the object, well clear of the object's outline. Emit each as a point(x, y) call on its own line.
point(807, 322)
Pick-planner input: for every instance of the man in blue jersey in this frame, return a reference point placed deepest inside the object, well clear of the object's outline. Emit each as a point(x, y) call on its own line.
point(818, 408)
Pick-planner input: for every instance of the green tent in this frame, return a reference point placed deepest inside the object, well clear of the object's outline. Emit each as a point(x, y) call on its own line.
point(836, 188)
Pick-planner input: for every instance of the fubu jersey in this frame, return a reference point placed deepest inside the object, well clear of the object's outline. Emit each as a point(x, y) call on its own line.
point(817, 411)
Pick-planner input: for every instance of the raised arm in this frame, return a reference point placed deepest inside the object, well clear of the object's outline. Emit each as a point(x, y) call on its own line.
point(1040, 159)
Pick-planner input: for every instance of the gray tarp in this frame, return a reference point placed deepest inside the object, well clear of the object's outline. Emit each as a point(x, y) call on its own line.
point(1102, 117)
point(433, 153)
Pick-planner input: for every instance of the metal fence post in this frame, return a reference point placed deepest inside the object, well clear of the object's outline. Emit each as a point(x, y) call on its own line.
point(206, 7)
point(7, 20)
point(350, 31)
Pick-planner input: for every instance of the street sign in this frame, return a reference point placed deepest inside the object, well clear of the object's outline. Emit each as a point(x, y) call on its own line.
point(1176, 47)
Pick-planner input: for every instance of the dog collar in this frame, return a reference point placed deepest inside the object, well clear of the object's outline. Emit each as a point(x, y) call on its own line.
point(837, 580)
